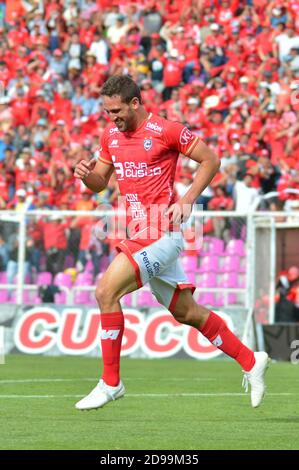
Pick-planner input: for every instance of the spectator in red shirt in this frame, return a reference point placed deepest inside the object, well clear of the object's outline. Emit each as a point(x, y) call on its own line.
point(86, 33)
point(86, 203)
point(40, 104)
point(18, 35)
point(217, 37)
point(20, 109)
point(55, 236)
point(174, 106)
point(193, 113)
point(148, 94)
point(172, 74)
point(94, 73)
point(59, 131)
point(221, 200)
point(156, 41)
point(226, 10)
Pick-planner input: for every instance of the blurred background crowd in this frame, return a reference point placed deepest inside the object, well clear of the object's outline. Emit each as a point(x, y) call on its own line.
point(229, 70)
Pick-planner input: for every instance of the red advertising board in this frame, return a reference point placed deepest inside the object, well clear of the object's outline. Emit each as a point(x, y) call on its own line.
point(76, 331)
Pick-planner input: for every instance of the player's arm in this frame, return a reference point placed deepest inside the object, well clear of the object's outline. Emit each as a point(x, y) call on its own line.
point(181, 139)
point(94, 173)
point(209, 166)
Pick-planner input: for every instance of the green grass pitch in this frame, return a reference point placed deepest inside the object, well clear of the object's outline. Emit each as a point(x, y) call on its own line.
point(169, 404)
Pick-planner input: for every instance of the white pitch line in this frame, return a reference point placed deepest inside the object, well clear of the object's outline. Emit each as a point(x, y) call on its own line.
point(90, 379)
point(152, 395)
point(24, 381)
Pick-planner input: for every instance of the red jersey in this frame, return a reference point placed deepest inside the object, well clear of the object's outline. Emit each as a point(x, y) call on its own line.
point(145, 163)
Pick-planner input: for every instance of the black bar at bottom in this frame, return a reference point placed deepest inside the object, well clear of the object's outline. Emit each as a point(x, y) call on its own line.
point(137, 458)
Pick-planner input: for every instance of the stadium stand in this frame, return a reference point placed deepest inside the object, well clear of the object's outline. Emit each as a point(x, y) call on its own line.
point(228, 69)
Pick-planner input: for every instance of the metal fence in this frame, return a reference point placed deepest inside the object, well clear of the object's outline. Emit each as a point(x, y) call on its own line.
point(219, 274)
point(230, 257)
point(275, 241)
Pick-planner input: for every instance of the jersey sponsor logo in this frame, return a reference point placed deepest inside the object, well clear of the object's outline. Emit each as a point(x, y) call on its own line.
point(114, 143)
point(154, 126)
point(147, 144)
point(156, 267)
point(186, 136)
point(134, 170)
point(119, 169)
point(132, 197)
point(109, 334)
point(152, 269)
point(138, 212)
point(113, 130)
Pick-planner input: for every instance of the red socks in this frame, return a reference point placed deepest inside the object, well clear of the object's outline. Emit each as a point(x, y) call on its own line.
point(111, 336)
point(216, 330)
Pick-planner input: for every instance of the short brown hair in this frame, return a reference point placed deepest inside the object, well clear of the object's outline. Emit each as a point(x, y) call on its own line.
point(123, 86)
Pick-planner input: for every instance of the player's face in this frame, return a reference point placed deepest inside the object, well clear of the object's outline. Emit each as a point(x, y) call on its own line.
point(122, 114)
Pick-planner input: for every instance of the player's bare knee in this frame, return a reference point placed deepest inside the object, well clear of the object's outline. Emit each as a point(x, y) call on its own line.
point(191, 314)
point(179, 316)
point(185, 315)
point(104, 294)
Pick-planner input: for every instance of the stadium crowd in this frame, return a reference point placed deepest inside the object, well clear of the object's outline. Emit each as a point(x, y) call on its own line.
point(229, 70)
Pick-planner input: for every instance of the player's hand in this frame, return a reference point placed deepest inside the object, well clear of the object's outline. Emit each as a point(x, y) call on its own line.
point(179, 212)
point(84, 168)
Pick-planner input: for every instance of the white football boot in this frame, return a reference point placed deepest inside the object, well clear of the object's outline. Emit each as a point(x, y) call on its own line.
point(255, 377)
point(100, 395)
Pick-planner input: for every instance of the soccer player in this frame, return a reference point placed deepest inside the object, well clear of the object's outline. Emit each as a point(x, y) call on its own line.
point(143, 150)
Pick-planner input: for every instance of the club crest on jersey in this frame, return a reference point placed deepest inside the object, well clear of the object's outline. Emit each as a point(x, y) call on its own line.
point(147, 144)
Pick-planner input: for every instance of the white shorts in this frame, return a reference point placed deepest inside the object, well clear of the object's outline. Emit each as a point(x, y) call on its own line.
point(158, 264)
